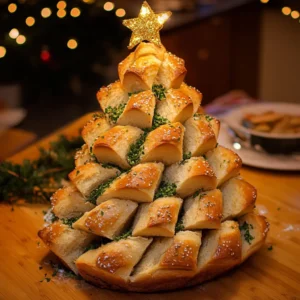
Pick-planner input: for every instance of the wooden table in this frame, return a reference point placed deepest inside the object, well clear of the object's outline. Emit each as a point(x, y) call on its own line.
point(267, 275)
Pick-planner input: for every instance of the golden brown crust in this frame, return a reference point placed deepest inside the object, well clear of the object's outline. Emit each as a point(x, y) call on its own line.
point(194, 94)
point(50, 233)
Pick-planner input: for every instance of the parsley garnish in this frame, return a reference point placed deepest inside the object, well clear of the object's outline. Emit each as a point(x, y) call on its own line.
point(246, 229)
point(158, 121)
point(136, 150)
point(114, 112)
point(70, 221)
point(123, 236)
point(165, 190)
point(134, 93)
point(159, 91)
point(99, 190)
point(208, 118)
point(186, 156)
point(179, 225)
point(35, 181)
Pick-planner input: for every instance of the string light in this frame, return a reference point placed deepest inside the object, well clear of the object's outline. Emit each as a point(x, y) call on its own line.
point(61, 5)
point(286, 10)
point(72, 44)
point(2, 51)
point(88, 1)
point(14, 33)
point(21, 39)
point(46, 12)
point(120, 12)
point(12, 8)
point(45, 55)
point(264, 1)
point(75, 12)
point(30, 21)
point(295, 14)
point(61, 13)
point(108, 6)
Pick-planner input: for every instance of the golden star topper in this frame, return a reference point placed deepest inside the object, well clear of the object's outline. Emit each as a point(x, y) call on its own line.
point(146, 26)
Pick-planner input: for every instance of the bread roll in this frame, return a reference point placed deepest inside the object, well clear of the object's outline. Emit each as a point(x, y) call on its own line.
point(108, 219)
point(225, 163)
point(190, 176)
point(112, 95)
point(201, 134)
point(220, 251)
point(203, 211)
point(239, 198)
point(157, 218)
point(139, 184)
point(171, 72)
point(254, 230)
point(93, 129)
point(139, 110)
point(112, 147)
point(67, 243)
point(177, 107)
point(68, 202)
point(83, 156)
point(194, 94)
point(168, 263)
point(89, 176)
point(111, 264)
point(164, 144)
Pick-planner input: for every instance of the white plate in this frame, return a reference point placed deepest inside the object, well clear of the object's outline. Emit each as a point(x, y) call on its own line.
point(258, 159)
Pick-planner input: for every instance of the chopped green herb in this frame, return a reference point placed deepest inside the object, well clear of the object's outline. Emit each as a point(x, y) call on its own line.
point(102, 213)
point(197, 193)
point(115, 112)
point(99, 190)
point(134, 93)
point(70, 221)
point(159, 91)
point(186, 156)
point(165, 190)
point(35, 181)
point(246, 230)
point(136, 150)
point(97, 115)
point(158, 121)
point(94, 245)
point(208, 118)
point(179, 225)
point(270, 248)
point(123, 236)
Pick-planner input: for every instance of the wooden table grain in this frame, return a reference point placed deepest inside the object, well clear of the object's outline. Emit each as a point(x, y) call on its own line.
point(269, 274)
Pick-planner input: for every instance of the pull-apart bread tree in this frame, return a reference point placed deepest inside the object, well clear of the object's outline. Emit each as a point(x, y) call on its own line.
point(154, 202)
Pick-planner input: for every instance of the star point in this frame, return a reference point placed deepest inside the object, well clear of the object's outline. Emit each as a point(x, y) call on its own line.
point(146, 26)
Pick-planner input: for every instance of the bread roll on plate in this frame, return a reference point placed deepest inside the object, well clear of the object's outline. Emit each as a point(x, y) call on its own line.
point(164, 144)
point(203, 211)
point(239, 198)
point(113, 145)
point(177, 107)
point(111, 264)
point(157, 218)
point(190, 176)
point(139, 184)
point(68, 202)
point(168, 263)
point(67, 243)
point(139, 110)
point(89, 176)
point(201, 134)
point(224, 162)
point(108, 219)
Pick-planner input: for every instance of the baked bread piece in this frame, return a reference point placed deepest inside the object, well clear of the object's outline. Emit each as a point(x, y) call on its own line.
point(254, 230)
point(67, 202)
point(177, 107)
point(139, 184)
point(190, 176)
point(201, 134)
point(168, 263)
point(164, 144)
point(67, 243)
point(194, 94)
point(157, 218)
point(113, 145)
point(224, 162)
point(89, 176)
point(144, 49)
point(239, 198)
point(93, 129)
point(171, 72)
point(108, 219)
point(83, 155)
point(139, 110)
point(111, 264)
point(203, 210)
point(112, 96)
point(220, 251)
